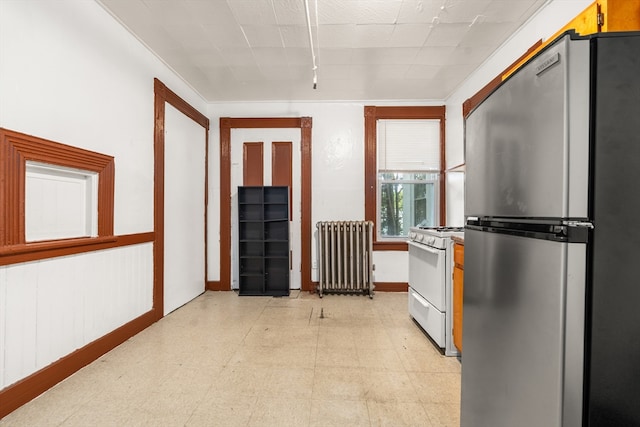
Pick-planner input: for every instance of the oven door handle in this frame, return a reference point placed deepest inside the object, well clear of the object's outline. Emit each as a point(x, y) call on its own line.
point(425, 248)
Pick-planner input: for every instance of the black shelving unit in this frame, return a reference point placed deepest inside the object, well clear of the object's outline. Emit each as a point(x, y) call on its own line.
point(263, 214)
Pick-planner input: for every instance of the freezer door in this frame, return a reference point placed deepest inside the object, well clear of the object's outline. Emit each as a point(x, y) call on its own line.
point(527, 145)
point(523, 331)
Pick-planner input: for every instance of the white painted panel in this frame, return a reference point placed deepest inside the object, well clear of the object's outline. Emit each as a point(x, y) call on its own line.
point(3, 321)
point(455, 199)
point(60, 202)
point(20, 323)
point(391, 266)
point(51, 308)
point(184, 231)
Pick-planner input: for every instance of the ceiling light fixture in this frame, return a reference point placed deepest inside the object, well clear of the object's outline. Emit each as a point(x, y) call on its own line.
point(313, 54)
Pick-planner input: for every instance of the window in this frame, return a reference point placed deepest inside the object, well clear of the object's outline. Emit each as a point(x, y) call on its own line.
point(60, 202)
point(404, 170)
point(81, 210)
point(408, 164)
point(407, 199)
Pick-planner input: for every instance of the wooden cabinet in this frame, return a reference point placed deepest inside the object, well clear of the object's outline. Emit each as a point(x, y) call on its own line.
point(458, 290)
point(263, 214)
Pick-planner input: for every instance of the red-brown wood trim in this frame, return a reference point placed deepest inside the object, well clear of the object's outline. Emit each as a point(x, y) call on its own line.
point(306, 124)
point(180, 104)
point(215, 285)
point(228, 123)
point(225, 204)
point(158, 198)
point(482, 94)
point(206, 204)
point(23, 391)
point(162, 95)
point(371, 115)
point(253, 163)
point(390, 246)
point(262, 122)
point(391, 287)
point(56, 248)
point(408, 112)
point(282, 168)
point(16, 149)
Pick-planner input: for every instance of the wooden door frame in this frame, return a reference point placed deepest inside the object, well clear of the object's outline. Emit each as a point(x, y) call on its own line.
point(228, 123)
point(162, 96)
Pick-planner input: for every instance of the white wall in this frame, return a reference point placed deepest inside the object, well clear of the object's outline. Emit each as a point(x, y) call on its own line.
point(337, 170)
point(71, 73)
point(553, 16)
point(52, 307)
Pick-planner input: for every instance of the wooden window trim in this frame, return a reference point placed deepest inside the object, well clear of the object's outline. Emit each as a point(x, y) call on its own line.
point(371, 116)
point(16, 149)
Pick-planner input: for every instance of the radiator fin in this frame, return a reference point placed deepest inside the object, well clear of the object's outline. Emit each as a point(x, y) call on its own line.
point(345, 257)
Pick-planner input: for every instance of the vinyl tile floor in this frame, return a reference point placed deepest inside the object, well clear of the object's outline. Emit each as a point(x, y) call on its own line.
point(229, 360)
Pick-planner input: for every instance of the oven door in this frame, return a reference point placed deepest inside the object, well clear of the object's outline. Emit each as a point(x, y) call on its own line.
point(427, 273)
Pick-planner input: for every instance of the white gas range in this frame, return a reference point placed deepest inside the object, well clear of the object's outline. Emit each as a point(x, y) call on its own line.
point(430, 287)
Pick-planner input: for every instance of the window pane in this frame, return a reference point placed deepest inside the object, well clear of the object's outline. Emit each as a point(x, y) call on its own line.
point(406, 200)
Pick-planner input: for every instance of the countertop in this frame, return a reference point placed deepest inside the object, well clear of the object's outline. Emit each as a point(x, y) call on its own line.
point(457, 239)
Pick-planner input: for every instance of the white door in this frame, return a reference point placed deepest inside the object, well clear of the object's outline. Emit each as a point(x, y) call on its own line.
point(184, 230)
point(267, 137)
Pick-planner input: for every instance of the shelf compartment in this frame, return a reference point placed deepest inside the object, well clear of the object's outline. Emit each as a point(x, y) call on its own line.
point(276, 195)
point(276, 212)
point(254, 265)
point(250, 195)
point(253, 231)
point(251, 212)
point(276, 249)
point(252, 249)
point(276, 230)
point(251, 285)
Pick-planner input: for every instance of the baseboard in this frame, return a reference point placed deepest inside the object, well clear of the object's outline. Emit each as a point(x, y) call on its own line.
point(37, 383)
point(391, 287)
point(216, 285)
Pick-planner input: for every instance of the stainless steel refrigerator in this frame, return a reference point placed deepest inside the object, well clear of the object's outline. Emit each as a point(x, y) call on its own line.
point(551, 327)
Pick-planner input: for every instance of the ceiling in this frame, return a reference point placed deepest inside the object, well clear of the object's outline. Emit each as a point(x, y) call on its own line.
point(259, 50)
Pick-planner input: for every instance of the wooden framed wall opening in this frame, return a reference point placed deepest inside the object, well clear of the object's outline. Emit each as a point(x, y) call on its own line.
point(228, 123)
point(371, 116)
point(163, 95)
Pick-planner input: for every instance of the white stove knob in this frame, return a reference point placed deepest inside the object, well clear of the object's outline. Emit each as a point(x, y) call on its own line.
point(412, 235)
point(420, 238)
point(431, 240)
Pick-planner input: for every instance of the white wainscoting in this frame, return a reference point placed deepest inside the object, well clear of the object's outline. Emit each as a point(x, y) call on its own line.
point(50, 308)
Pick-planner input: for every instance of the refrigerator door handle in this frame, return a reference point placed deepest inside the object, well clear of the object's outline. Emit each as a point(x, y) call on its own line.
point(578, 224)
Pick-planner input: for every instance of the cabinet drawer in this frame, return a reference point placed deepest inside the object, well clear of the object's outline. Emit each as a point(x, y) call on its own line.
point(427, 316)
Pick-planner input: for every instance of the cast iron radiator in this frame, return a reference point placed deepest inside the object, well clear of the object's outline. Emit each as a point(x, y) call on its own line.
point(345, 262)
